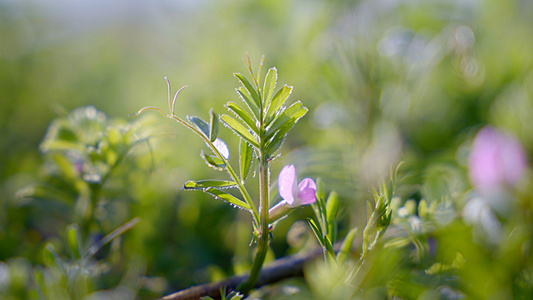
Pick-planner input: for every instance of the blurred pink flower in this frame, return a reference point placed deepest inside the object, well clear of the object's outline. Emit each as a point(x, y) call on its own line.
point(292, 194)
point(496, 160)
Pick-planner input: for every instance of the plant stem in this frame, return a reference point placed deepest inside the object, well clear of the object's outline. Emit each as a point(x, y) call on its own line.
point(264, 175)
point(262, 244)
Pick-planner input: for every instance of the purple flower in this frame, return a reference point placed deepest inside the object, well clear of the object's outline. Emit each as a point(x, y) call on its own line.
point(496, 160)
point(293, 194)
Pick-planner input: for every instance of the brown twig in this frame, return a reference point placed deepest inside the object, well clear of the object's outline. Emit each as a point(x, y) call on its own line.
point(283, 268)
point(290, 266)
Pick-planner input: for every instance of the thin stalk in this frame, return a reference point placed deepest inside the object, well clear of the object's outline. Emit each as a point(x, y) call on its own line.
point(264, 175)
point(262, 244)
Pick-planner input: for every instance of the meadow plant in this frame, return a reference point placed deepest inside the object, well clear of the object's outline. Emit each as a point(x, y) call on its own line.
point(262, 127)
point(84, 152)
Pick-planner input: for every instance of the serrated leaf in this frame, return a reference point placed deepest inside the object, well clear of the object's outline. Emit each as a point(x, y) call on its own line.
point(286, 120)
point(245, 96)
point(243, 115)
point(200, 124)
point(248, 86)
point(239, 129)
point(73, 240)
point(277, 101)
point(245, 159)
point(213, 161)
point(270, 84)
point(316, 231)
point(228, 198)
point(204, 184)
point(346, 246)
point(213, 125)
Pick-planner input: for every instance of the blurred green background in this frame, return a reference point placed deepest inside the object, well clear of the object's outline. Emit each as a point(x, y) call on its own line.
point(385, 81)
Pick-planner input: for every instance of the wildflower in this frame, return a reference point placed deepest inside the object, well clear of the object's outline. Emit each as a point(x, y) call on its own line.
point(497, 163)
point(292, 194)
point(496, 160)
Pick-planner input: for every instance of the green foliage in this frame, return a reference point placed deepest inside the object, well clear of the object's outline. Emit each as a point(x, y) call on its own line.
point(260, 136)
point(406, 82)
point(326, 229)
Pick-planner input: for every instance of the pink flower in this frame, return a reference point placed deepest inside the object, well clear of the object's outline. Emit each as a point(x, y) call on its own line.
point(292, 194)
point(496, 160)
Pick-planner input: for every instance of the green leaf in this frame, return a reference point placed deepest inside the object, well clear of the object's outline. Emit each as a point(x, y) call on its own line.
point(248, 86)
point(50, 257)
point(275, 141)
point(346, 246)
point(73, 240)
point(320, 189)
point(213, 125)
point(228, 198)
point(279, 98)
point(369, 210)
point(204, 184)
point(332, 230)
point(274, 144)
point(239, 129)
point(260, 68)
point(236, 296)
point(245, 96)
point(332, 206)
point(200, 124)
point(245, 161)
point(38, 278)
point(213, 161)
point(243, 115)
point(286, 120)
point(316, 231)
point(269, 85)
point(329, 249)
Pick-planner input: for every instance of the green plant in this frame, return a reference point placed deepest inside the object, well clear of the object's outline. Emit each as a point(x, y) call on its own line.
point(262, 128)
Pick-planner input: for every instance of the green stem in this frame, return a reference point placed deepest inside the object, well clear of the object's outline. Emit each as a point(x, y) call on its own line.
point(262, 244)
point(263, 239)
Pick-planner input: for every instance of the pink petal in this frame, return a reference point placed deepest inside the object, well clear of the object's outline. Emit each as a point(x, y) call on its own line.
point(287, 183)
point(496, 159)
point(307, 191)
